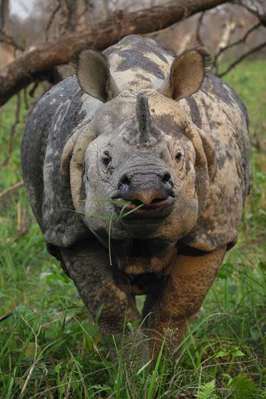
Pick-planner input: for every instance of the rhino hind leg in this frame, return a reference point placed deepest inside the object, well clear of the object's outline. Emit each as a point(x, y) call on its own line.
point(88, 266)
point(168, 312)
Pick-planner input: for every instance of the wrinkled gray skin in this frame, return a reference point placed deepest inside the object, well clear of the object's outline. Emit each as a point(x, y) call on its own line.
point(193, 163)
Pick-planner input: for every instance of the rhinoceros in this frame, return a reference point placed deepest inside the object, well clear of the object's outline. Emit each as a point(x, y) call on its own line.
point(137, 173)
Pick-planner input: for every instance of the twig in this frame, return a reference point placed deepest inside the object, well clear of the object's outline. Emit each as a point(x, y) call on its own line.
point(6, 316)
point(71, 15)
point(255, 7)
point(237, 42)
point(51, 19)
point(33, 89)
point(85, 12)
point(25, 98)
point(241, 58)
point(4, 195)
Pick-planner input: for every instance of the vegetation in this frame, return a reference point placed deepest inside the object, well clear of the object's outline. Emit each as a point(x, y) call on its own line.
point(50, 349)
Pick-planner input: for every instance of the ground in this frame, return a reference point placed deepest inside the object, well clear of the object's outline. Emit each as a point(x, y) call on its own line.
point(50, 349)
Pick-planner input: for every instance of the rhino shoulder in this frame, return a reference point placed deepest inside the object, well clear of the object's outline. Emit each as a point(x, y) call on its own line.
point(221, 116)
point(50, 124)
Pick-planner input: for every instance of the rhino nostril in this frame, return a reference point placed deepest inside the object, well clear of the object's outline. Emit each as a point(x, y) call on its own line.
point(166, 179)
point(124, 182)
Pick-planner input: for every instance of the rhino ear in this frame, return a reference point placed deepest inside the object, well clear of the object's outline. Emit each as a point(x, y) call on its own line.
point(94, 75)
point(186, 74)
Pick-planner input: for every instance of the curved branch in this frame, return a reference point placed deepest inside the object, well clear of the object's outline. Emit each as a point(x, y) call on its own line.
point(7, 193)
point(241, 58)
point(242, 40)
point(256, 7)
point(51, 19)
point(237, 42)
point(38, 63)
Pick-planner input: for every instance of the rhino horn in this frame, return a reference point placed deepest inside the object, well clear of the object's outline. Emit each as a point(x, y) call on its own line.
point(144, 120)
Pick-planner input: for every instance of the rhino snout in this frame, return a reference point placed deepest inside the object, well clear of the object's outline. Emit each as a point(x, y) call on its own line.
point(147, 194)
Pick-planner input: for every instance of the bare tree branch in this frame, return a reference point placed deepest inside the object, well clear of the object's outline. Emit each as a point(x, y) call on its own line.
point(25, 98)
point(242, 40)
point(5, 37)
point(51, 19)
point(38, 63)
point(33, 89)
point(6, 194)
point(241, 58)
point(234, 44)
point(4, 13)
point(256, 7)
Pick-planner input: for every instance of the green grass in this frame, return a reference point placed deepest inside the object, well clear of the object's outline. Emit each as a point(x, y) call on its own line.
point(49, 348)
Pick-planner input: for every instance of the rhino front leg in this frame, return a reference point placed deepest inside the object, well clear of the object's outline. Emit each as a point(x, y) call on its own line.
point(180, 298)
point(87, 263)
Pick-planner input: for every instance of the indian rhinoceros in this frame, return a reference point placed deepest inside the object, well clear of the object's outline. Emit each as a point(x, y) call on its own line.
point(137, 173)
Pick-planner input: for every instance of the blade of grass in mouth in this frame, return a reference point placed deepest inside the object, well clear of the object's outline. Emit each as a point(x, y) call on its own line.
point(131, 210)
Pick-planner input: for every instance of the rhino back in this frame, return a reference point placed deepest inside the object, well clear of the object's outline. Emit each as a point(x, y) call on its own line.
point(138, 63)
point(48, 127)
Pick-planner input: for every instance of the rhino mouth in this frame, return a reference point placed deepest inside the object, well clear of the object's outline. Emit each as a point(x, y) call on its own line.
point(135, 209)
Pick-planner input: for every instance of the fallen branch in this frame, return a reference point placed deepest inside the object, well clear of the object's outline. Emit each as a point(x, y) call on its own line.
point(38, 63)
point(6, 316)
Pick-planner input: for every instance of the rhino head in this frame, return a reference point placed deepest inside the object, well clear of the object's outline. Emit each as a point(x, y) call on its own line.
point(141, 167)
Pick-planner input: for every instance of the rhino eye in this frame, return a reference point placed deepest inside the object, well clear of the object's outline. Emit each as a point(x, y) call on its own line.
point(106, 158)
point(178, 156)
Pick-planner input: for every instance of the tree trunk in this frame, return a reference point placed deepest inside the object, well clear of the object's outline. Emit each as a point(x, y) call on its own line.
point(4, 13)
